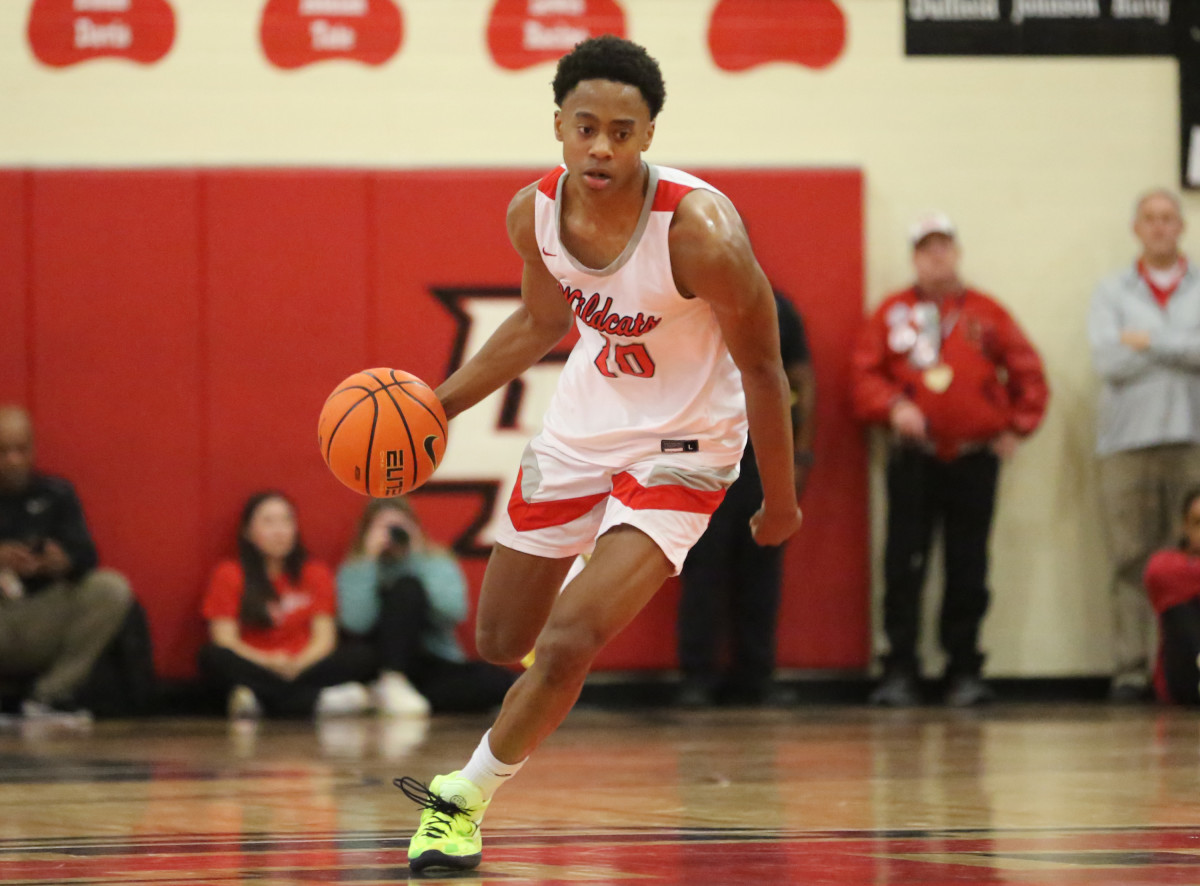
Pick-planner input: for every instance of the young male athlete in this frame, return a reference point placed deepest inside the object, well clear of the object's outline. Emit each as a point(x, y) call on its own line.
point(678, 345)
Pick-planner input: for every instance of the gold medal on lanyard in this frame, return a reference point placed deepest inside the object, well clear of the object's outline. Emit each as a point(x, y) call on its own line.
point(938, 378)
point(933, 330)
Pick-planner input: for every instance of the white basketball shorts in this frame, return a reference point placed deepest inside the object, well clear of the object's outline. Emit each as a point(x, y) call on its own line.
point(560, 504)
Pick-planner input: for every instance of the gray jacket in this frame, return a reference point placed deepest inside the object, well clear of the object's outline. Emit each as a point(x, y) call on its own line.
point(1149, 397)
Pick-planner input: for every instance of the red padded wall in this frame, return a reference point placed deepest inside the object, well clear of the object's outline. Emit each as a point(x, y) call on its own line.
point(116, 375)
point(804, 226)
point(14, 317)
point(286, 290)
point(177, 332)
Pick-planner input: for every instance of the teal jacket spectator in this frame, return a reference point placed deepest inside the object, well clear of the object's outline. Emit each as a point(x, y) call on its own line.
point(445, 588)
point(403, 596)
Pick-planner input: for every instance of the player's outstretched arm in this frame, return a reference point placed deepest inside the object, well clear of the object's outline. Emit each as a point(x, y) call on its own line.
point(527, 334)
point(711, 259)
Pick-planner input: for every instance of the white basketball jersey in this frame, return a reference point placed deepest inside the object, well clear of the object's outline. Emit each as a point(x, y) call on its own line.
point(650, 372)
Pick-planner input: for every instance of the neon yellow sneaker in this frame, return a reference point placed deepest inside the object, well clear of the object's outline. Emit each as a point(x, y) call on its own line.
point(448, 836)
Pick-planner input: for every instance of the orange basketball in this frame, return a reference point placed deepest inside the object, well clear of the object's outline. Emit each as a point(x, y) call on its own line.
point(382, 432)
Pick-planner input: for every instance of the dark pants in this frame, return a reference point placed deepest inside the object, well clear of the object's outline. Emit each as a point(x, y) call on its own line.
point(923, 493)
point(1180, 639)
point(731, 592)
point(450, 686)
point(225, 669)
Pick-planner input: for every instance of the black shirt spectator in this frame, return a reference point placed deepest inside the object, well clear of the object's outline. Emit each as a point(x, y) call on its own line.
point(58, 612)
point(48, 508)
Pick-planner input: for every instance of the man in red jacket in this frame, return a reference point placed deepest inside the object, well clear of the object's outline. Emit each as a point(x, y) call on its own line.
point(949, 373)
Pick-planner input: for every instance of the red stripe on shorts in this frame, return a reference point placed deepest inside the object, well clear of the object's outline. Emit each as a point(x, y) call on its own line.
point(634, 495)
point(526, 515)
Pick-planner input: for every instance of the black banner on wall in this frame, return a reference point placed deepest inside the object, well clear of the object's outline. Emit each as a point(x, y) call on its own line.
point(1039, 27)
point(1187, 45)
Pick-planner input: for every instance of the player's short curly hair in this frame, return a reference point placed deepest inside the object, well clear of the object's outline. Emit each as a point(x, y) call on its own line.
point(611, 58)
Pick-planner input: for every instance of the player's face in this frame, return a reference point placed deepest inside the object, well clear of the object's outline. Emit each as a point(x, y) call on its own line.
point(1159, 226)
point(935, 260)
point(272, 528)
point(1191, 527)
point(604, 127)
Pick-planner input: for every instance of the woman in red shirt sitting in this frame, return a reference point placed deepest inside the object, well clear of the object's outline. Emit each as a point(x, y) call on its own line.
point(272, 624)
point(1172, 580)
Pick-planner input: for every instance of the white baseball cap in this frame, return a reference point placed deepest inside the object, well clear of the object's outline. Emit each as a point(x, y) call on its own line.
point(933, 222)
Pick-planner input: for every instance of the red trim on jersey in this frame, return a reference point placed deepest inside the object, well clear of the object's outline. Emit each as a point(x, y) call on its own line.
point(668, 194)
point(549, 184)
point(634, 495)
point(526, 515)
point(1162, 295)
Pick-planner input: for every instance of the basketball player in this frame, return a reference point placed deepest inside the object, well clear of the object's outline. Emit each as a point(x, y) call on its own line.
point(645, 431)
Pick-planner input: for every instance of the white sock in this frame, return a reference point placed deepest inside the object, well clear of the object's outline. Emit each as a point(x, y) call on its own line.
point(486, 771)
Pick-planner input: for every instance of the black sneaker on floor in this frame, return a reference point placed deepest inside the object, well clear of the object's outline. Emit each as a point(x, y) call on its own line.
point(695, 694)
point(968, 691)
point(896, 690)
point(1130, 693)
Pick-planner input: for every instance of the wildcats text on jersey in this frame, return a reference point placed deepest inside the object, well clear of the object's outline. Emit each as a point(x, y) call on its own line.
point(599, 317)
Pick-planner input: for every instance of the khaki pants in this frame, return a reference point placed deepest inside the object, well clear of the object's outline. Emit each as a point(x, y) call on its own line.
point(1142, 492)
point(56, 634)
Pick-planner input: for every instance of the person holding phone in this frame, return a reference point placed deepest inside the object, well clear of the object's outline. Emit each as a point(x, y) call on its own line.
point(405, 596)
point(58, 611)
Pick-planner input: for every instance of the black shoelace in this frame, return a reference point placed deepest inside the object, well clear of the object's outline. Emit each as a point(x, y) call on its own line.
point(422, 796)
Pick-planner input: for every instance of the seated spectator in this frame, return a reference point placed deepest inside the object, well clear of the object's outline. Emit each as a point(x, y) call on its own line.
point(405, 596)
point(1172, 582)
point(58, 612)
point(271, 617)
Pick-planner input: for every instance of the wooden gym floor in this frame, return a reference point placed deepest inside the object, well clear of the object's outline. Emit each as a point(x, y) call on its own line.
point(1017, 794)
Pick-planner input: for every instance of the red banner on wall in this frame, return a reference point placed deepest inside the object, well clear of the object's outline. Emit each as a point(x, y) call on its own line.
point(295, 33)
point(66, 32)
point(746, 33)
point(523, 33)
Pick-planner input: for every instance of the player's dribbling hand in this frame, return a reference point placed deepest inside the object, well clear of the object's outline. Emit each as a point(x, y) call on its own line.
point(771, 528)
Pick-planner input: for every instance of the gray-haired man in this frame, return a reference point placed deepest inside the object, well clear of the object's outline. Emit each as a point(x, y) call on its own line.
point(1144, 331)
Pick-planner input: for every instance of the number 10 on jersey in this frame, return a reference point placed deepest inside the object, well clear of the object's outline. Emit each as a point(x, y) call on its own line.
point(624, 359)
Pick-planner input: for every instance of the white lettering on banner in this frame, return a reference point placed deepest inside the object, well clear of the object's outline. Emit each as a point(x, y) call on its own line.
point(1023, 9)
point(114, 35)
point(479, 450)
point(1159, 10)
point(101, 5)
point(333, 7)
point(539, 36)
point(1193, 167)
point(329, 37)
point(556, 7)
point(954, 10)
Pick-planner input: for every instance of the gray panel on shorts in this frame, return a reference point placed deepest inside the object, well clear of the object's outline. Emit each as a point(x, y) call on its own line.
point(704, 479)
point(531, 473)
